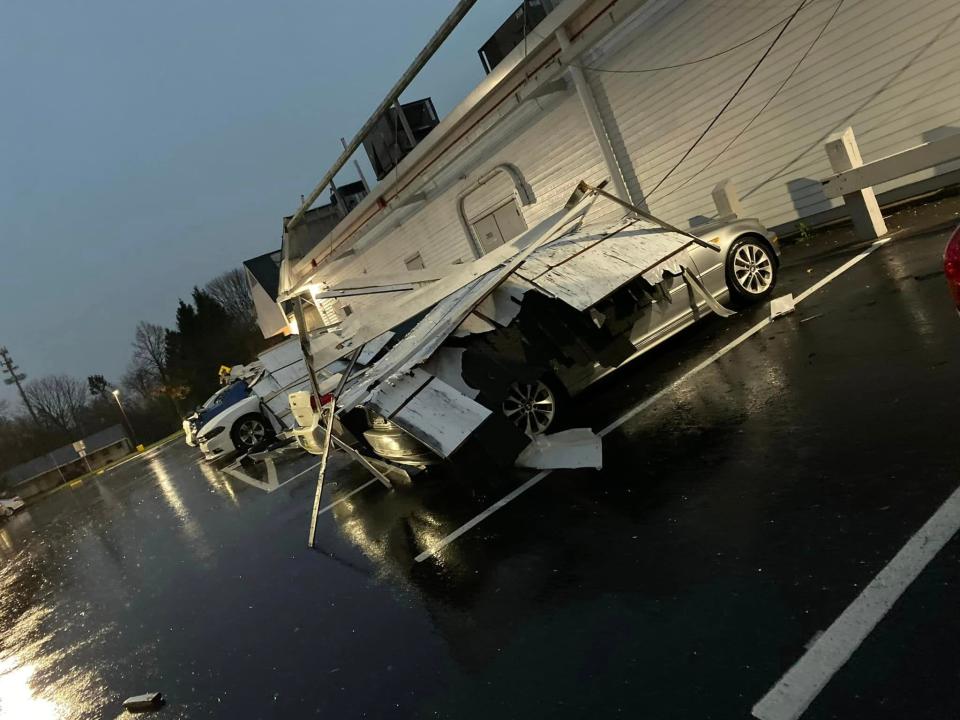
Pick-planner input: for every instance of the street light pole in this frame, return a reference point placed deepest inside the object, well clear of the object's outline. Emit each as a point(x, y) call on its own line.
point(126, 420)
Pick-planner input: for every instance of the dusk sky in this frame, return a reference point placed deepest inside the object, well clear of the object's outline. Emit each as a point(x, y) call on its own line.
point(147, 147)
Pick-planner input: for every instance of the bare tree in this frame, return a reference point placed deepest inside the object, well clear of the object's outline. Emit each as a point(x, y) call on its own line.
point(232, 293)
point(150, 349)
point(58, 399)
point(141, 379)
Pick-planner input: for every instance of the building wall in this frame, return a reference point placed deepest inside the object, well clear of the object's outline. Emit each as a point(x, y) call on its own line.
point(37, 485)
point(554, 149)
point(74, 469)
point(886, 67)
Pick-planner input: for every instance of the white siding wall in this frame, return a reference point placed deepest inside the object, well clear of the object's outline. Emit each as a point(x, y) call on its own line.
point(886, 67)
point(553, 151)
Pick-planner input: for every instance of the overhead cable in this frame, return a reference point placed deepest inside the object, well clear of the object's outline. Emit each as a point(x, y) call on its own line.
point(759, 112)
point(733, 97)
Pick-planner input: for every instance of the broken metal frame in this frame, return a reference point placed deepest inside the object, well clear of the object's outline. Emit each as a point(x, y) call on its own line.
point(330, 408)
point(584, 187)
point(328, 430)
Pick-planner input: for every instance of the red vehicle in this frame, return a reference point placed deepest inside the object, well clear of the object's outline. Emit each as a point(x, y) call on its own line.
point(951, 265)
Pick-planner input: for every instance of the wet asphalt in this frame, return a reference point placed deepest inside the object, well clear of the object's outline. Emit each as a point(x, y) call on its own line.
point(734, 519)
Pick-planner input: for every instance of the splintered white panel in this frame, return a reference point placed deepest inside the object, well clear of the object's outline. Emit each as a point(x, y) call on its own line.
point(441, 417)
point(390, 394)
point(581, 271)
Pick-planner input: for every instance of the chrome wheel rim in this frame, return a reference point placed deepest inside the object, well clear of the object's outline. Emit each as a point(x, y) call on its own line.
point(531, 406)
point(252, 432)
point(753, 268)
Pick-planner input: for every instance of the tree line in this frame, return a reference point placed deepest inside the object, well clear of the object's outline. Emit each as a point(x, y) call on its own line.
point(170, 371)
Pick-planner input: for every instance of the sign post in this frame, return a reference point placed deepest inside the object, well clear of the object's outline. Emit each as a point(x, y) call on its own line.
point(81, 449)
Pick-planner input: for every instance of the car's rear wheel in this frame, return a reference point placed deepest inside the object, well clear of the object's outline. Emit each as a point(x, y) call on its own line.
point(751, 269)
point(533, 405)
point(250, 432)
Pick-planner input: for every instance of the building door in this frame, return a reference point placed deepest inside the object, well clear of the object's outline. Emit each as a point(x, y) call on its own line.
point(496, 228)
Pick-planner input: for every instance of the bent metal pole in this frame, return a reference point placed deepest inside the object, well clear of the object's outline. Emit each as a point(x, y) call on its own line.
point(331, 409)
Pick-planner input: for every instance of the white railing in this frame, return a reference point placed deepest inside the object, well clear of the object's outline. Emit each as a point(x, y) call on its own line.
point(853, 180)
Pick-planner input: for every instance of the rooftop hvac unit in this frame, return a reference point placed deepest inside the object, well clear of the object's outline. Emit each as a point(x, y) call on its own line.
point(388, 143)
point(513, 31)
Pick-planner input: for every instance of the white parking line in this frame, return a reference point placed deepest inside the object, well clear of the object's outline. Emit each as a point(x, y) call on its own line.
point(271, 485)
point(789, 698)
point(349, 495)
point(302, 472)
point(476, 520)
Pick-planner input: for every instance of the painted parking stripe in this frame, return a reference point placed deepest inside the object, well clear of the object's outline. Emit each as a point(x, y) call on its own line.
point(476, 520)
point(302, 472)
point(349, 495)
point(272, 484)
point(789, 698)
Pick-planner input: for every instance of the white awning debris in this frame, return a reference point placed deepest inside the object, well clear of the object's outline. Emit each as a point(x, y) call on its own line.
point(575, 448)
point(782, 305)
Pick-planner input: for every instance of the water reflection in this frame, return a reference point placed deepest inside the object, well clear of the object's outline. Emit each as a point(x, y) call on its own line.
point(17, 698)
point(38, 682)
point(191, 527)
point(6, 542)
point(221, 485)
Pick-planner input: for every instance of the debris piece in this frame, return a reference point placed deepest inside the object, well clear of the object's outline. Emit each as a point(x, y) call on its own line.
point(782, 305)
point(810, 317)
point(574, 448)
point(143, 703)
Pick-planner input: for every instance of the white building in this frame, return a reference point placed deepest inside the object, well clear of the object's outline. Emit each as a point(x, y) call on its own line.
point(613, 89)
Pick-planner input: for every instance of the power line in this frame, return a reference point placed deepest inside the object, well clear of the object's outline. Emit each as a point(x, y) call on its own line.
point(685, 63)
point(766, 104)
point(688, 62)
point(732, 97)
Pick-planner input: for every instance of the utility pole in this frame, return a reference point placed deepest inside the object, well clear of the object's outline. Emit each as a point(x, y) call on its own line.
point(15, 379)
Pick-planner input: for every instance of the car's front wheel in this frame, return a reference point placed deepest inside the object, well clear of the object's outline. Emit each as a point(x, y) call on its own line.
point(533, 406)
point(751, 269)
point(250, 432)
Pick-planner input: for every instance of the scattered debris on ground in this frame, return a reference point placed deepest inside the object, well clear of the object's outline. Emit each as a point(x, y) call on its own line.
point(144, 703)
point(782, 305)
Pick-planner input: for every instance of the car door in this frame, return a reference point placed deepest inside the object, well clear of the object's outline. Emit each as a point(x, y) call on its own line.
point(670, 310)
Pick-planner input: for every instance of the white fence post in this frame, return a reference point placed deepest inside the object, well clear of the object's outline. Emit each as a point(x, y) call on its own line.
point(727, 200)
point(862, 204)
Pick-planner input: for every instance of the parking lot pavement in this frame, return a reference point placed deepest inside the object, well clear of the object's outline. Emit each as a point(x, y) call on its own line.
point(735, 519)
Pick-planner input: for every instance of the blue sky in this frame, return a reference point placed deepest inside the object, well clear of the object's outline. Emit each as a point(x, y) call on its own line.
point(145, 147)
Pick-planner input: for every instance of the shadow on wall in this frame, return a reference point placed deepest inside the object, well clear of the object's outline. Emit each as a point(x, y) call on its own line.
point(807, 196)
point(939, 133)
point(849, 117)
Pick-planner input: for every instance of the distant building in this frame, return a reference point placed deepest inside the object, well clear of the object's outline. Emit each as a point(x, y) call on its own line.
point(263, 279)
point(64, 464)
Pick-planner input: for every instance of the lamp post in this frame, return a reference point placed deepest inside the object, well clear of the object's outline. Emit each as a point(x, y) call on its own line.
point(126, 420)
